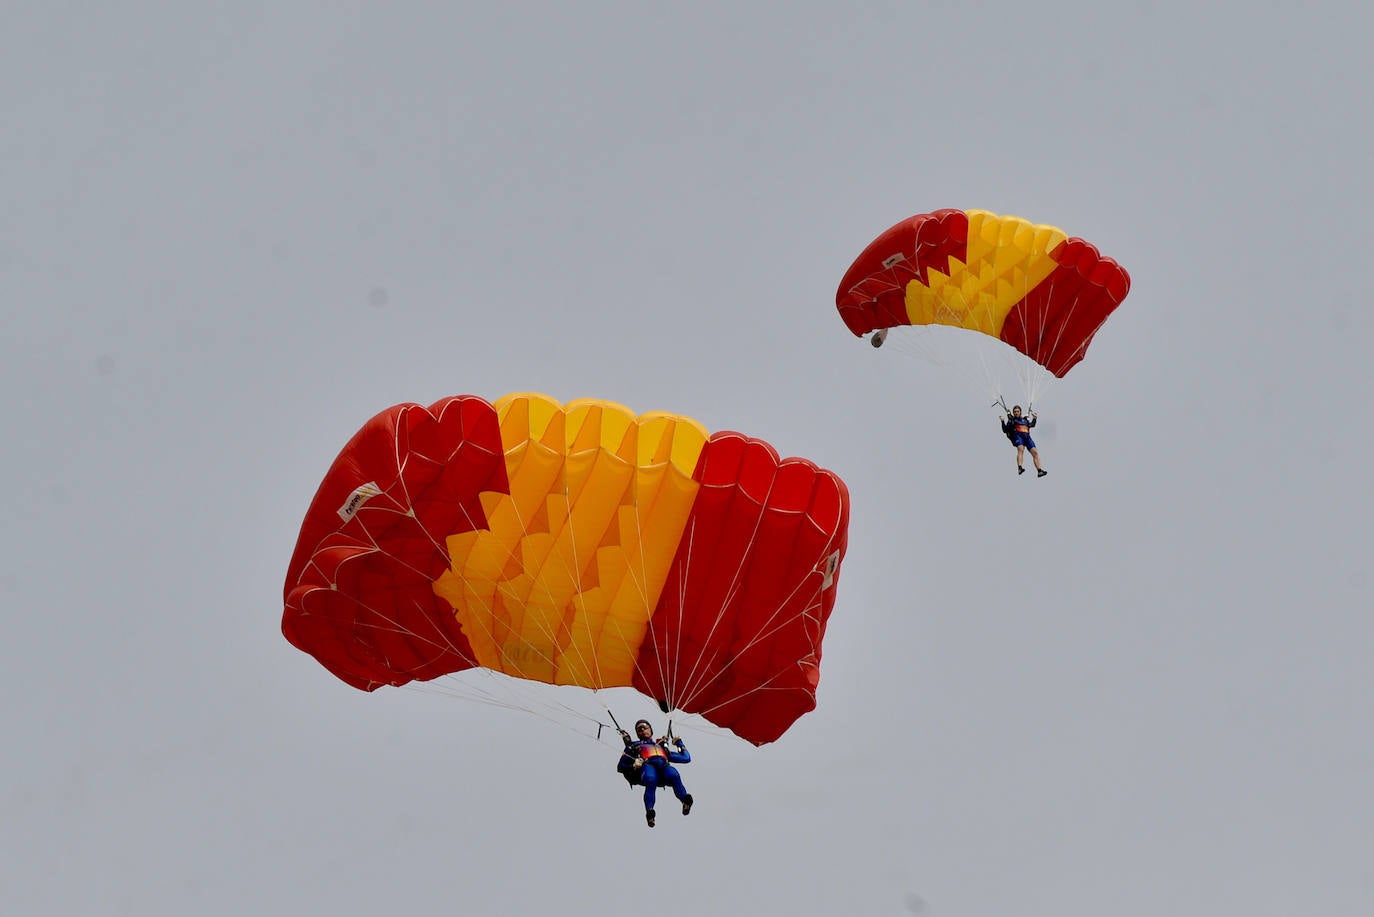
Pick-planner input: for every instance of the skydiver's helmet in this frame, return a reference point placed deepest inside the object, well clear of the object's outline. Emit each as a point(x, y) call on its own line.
point(1016, 409)
point(639, 723)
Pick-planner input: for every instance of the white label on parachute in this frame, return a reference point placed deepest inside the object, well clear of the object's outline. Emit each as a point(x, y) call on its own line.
point(832, 563)
point(893, 259)
point(356, 500)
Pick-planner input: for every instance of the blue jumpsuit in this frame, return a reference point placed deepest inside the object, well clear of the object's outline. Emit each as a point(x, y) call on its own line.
point(1018, 430)
point(658, 768)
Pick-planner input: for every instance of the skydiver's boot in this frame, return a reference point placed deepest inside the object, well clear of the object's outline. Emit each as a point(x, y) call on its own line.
point(1040, 472)
point(649, 817)
point(1020, 469)
point(687, 804)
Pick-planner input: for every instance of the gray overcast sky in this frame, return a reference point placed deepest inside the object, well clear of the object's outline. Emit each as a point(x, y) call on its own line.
point(231, 232)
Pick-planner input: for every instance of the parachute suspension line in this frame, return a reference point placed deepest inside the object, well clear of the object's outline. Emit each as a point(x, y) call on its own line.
point(984, 362)
point(664, 661)
point(402, 462)
point(458, 687)
point(948, 348)
point(443, 643)
point(668, 668)
point(506, 693)
point(1073, 306)
point(1024, 367)
point(1033, 374)
point(992, 378)
point(696, 682)
point(524, 696)
point(962, 337)
point(578, 564)
point(992, 375)
point(573, 566)
point(680, 686)
point(667, 661)
point(689, 690)
point(775, 622)
point(637, 570)
point(811, 607)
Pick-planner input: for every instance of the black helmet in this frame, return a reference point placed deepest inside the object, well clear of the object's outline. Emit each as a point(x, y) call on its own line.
point(646, 723)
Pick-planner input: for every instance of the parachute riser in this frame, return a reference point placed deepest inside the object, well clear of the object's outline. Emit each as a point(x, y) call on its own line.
point(616, 723)
point(1030, 405)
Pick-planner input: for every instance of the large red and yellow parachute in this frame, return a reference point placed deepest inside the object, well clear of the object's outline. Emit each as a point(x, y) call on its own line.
point(1030, 286)
point(573, 544)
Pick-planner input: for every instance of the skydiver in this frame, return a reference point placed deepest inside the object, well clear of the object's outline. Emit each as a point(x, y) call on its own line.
point(648, 762)
point(1017, 429)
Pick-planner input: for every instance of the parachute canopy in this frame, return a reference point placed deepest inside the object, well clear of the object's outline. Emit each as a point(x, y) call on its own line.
point(1030, 286)
point(573, 544)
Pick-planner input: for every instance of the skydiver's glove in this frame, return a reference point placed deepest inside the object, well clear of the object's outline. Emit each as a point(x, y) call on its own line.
point(625, 736)
point(639, 762)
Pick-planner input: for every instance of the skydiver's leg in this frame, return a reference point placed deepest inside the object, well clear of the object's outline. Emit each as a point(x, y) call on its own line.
point(674, 780)
point(649, 778)
point(1035, 457)
point(1020, 457)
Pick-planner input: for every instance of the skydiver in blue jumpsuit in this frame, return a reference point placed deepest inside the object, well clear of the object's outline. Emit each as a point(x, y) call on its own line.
point(1017, 429)
point(649, 762)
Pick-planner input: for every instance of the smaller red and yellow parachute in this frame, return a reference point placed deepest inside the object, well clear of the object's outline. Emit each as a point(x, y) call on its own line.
point(573, 544)
point(1030, 286)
